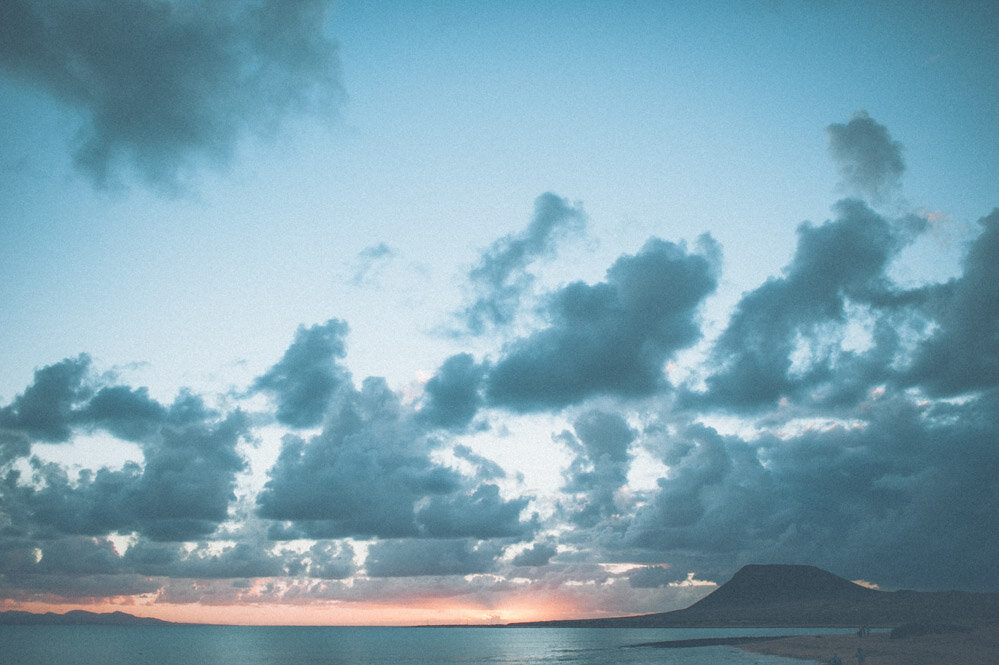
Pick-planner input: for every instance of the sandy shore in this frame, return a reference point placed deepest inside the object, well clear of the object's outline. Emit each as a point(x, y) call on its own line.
point(978, 647)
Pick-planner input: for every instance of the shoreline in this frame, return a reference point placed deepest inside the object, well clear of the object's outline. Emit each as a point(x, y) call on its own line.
point(974, 647)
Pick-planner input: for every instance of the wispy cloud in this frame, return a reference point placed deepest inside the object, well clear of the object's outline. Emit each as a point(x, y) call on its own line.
point(501, 275)
point(870, 161)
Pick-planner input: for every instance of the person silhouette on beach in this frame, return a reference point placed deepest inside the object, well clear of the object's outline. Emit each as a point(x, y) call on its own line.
point(861, 656)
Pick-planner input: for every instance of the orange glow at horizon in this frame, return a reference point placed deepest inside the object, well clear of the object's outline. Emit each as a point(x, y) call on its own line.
point(430, 611)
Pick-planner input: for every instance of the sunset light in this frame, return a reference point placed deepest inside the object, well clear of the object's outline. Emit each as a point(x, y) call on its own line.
point(430, 313)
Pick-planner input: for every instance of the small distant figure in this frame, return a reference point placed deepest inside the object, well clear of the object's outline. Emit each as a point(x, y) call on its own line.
point(864, 631)
point(835, 660)
point(861, 656)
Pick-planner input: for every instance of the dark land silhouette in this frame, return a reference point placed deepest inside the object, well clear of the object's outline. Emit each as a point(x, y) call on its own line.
point(77, 618)
point(793, 595)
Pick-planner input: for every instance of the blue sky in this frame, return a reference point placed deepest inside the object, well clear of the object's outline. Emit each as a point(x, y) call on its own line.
point(590, 297)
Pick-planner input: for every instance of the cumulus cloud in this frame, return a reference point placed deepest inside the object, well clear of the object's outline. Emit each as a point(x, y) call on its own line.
point(963, 352)
point(870, 162)
point(501, 276)
point(306, 379)
point(44, 410)
point(164, 87)
point(366, 473)
point(600, 465)
point(879, 496)
point(835, 264)
point(181, 492)
point(610, 338)
point(182, 489)
point(452, 396)
point(481, 513)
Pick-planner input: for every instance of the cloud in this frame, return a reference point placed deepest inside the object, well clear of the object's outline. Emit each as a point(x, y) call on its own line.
point(44, 410)
point(904, 495)
point(501, 275)
point(539, 554)
point(805, 314)
point(370, 260)
point(182, 489)
point(124, 412)
point(451, 398)
point(366, 474)
point(479, 514)
point(653, 577)
point(361, 476)
point(870, 162)
point(307, 377)
point(600, 466)
point(67, 567)
point(164, 87)
point(871, 457)
point(181, 492)
point(610, 338)
point(963, 352)
point(486, 469)
point(417, 558)
point(331, 561)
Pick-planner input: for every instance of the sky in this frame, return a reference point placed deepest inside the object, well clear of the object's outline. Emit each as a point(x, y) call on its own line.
point(446, 312)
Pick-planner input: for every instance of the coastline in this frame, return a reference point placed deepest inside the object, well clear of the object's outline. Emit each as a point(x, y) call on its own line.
point(977, 646)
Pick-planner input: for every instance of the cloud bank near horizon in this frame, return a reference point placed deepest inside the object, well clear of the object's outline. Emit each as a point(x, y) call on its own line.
point(867, 418)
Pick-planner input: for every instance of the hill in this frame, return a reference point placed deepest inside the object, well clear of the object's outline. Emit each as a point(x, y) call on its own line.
point(790, 595)
point(77, 618)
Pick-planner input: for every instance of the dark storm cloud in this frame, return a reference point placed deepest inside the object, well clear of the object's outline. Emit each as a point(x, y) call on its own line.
point(611, 338)
point(903, 494)
point(600, 466)
point(870, 162)
point(453, 396)
point(306, 379)
point(162, 87)
point(366, 473)
point(963, 352)
point(417, 558)
point(501, 275)
point(842, 261)
point(539, 554)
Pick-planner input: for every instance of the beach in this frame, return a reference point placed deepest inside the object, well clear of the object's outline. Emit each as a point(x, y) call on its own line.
point(975, 647)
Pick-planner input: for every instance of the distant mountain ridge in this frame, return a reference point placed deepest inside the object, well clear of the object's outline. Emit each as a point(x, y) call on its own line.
point(796, 595)
point(77, 618)
point(755, 585)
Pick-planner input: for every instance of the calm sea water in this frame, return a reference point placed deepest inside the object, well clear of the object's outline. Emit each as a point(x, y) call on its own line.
point(211, 645)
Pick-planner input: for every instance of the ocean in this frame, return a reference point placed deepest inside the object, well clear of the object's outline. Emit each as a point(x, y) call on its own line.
point(254, 645)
